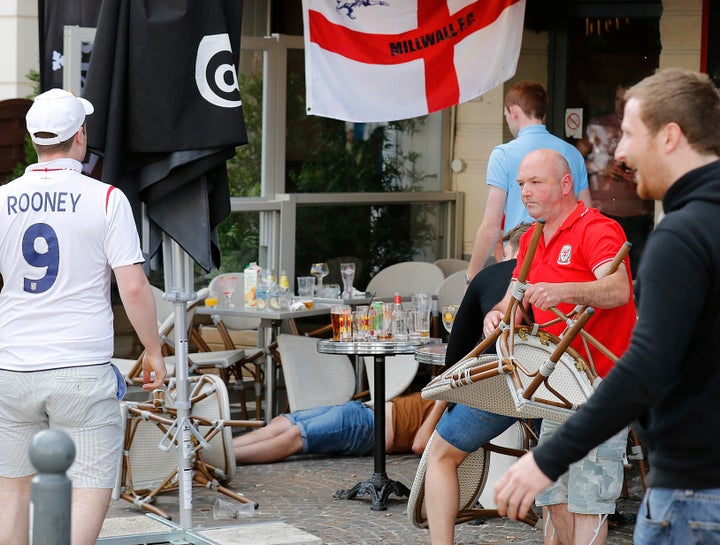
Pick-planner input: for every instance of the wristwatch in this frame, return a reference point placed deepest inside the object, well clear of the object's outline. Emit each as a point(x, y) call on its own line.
point(467, 278)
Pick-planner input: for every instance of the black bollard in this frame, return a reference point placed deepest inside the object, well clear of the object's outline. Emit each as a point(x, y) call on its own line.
point(51, 452)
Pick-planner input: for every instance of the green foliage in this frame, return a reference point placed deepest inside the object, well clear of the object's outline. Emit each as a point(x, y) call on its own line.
point(239, 233)
point(322, 157)
point(244, 169)
point(379, 235)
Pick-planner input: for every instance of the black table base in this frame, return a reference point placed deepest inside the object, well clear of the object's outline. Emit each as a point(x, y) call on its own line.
point(379, 486)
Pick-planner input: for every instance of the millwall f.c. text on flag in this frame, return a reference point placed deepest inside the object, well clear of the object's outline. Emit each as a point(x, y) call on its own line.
point(384, 60)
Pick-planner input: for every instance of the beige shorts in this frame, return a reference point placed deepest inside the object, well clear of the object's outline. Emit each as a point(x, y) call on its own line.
point(81, 401)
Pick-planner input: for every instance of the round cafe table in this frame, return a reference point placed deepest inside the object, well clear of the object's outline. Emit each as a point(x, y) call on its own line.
point(378, 486)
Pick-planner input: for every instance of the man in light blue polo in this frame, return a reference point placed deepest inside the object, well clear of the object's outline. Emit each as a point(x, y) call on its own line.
point(525, 107)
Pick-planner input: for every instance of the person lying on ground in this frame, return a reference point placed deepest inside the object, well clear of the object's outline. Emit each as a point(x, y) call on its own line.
point(347, 429)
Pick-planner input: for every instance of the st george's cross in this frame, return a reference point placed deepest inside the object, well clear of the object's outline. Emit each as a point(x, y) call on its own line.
point(385, 60)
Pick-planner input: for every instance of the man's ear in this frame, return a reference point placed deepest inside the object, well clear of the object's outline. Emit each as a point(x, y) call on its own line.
point(671, 135)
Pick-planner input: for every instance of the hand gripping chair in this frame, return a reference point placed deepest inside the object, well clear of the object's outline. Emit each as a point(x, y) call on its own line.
point(148, 465)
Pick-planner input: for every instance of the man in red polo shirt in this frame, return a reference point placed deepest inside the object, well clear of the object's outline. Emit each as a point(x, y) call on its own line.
point(570, 268)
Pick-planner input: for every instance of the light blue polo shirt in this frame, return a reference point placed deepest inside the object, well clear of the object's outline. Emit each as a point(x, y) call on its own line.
point(505, 161)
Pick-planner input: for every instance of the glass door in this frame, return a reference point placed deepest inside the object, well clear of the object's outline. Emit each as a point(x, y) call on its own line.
point(602, 55)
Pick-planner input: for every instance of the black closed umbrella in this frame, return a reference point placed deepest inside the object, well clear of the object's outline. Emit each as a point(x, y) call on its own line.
point(168, 113)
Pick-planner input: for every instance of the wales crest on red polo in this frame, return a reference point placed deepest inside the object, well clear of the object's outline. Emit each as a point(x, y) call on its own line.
point(565, 255)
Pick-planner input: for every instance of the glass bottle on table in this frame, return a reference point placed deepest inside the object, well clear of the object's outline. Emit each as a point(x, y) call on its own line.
point(285, 295)
point(399, 325)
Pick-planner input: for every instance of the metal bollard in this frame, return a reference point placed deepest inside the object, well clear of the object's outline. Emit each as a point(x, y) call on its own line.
point(51, 452)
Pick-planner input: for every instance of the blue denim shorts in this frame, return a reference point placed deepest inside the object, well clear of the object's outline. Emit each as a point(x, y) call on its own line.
point(591, 485)
point(468, 429)
point(347, 429)
point(678, 517)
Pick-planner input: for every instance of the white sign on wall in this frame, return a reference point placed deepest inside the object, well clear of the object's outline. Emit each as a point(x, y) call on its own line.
point(573, 122)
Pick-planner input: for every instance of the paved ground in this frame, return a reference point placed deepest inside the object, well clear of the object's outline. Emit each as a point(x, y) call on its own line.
point(299, 492)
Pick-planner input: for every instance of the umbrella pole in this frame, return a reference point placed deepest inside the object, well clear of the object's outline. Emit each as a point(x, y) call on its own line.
point(178, 275)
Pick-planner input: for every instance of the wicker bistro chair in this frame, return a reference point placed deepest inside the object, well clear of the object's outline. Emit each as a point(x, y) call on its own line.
point(477, 474)
point(450, 265)
point(406, 277)
point(541, 374)
point(313, 379)
point(148, 466)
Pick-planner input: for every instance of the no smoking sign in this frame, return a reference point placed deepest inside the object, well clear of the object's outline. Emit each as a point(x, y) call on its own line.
point(573, 122)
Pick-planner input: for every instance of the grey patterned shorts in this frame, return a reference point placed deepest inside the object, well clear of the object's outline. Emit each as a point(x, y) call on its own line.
point(591, 485)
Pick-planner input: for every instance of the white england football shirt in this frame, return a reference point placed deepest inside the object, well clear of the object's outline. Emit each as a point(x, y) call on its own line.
point(61, 233)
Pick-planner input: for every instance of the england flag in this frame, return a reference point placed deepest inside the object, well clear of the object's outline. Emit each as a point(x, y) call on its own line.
point(384, 60)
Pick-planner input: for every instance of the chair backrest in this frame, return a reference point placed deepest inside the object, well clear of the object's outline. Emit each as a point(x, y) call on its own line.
point(237, 298)
point(451, 290)
point(399, 374)
point(165, 308)
point(450, 265)
point(406, 277)
point(313, 379)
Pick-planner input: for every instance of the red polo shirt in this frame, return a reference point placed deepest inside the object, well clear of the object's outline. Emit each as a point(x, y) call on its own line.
point(585, 241)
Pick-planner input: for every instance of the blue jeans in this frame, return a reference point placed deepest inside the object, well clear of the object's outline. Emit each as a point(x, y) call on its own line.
point(347, 429)
point(679, 517)
point(468, 429)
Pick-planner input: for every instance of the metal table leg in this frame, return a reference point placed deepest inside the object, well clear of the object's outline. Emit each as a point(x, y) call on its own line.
point(379, 486)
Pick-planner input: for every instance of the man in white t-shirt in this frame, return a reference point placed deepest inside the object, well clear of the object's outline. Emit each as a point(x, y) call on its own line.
point(62, 234)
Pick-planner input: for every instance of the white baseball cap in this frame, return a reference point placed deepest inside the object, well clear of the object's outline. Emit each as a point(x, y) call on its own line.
point(58, 112)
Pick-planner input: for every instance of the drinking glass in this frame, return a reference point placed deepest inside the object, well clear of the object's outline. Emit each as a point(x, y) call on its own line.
point(340, 318)
point(448, 316)
point(319, 271)
point(361, 323)
point(385, 331)
point(422, 303)
point(347, 271)
point(227, 287)
point(306, 287)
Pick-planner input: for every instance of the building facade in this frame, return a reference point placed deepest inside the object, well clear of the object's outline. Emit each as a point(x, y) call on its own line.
point(562, 43)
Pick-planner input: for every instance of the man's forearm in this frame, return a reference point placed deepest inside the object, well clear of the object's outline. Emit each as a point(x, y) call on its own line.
point(486, 239)
point(139, 303)
point(608, 292)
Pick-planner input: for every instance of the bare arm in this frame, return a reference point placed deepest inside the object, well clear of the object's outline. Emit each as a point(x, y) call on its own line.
point(139, 305)
point(489, 231)
point(428, 426)
point(606, 292)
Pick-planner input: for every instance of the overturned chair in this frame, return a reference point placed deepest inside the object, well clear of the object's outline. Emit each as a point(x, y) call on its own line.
point(148, 465)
